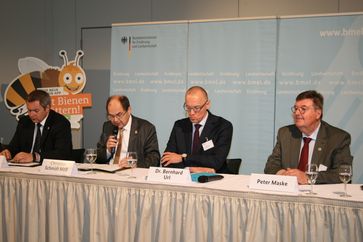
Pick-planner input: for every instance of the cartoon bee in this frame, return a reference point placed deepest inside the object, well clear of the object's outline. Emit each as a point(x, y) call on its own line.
point(36, 74)
point(72, 77)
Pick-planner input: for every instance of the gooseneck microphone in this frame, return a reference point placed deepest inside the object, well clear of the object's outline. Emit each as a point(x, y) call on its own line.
point(203, 179)
point(114, 133)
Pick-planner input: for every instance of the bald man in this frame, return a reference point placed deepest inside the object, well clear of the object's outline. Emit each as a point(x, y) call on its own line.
point(202, 139)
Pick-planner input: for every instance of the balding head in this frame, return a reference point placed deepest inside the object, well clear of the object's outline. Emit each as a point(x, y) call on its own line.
point(196, 103)
point(197, 90)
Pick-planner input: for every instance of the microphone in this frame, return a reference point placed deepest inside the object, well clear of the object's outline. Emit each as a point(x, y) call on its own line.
point(114, 133)
point(203, 179)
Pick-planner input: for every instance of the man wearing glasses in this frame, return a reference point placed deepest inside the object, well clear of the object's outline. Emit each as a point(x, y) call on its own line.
point(202, 140)
point(325, 145)
point(124, 132)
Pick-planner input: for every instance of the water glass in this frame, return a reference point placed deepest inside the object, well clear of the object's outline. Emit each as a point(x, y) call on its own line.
point(345, 174)
point(91, 156)
point(132, 162)
point(312, 172)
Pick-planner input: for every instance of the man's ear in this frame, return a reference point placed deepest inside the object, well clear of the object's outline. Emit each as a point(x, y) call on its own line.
point(319, 113)
point(208, 104)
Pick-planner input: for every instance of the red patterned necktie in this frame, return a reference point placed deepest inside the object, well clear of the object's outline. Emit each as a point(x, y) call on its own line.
point(196, 140)
point(304, 156)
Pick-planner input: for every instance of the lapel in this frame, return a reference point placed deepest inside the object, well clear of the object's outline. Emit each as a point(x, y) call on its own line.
point(134, 132)
point(188, 135)
point(46, 128)
point(320, 145)
point(295, 145)
point(207, 130)
point(28, 135)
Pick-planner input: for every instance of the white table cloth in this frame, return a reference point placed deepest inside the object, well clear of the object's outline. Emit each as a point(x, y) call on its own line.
point(110, 207)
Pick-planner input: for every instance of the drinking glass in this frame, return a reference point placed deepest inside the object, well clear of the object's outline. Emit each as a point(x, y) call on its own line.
point(131, 161)
point(91, 156)
point(312, 172)
point(345, 174)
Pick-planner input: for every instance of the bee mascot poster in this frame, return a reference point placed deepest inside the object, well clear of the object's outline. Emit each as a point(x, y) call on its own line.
point(64, 84)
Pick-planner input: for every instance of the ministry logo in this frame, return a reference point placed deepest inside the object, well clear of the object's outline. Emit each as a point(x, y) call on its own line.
point(124, 40)
point(127, 40)
point(139, 42)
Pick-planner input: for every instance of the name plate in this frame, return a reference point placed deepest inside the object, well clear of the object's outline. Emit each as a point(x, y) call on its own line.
point(3, 162)
point(59, 167)
point(169, 175)
point(287, 184)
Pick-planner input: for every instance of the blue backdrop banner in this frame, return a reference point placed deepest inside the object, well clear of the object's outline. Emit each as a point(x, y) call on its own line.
point(252, 70)
point(326, 54)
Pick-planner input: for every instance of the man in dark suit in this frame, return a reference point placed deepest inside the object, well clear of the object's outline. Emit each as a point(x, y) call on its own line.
point(202, 139)
point(43, 133)
point(328, 146)
point(125, 132)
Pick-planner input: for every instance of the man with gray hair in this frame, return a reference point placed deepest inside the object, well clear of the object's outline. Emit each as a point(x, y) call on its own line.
point(324, 145)
point(43, 133)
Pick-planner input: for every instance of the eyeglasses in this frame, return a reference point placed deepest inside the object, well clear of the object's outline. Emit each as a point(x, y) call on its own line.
point(301, 109)
point(117, 116)
point(196, 109)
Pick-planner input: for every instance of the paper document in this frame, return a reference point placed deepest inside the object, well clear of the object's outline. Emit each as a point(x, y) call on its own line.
point(99, 167)
point(31, 164)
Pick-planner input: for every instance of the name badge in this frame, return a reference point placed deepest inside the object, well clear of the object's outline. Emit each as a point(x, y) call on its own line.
point(169, 175)
point(322, 167)
point(287, 184)
point(3, 162)
point(59, 167)
point(208, 145)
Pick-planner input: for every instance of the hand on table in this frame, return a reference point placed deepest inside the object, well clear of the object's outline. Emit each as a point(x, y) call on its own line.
point(195, 169)
point(23, 157)
point(170, 158)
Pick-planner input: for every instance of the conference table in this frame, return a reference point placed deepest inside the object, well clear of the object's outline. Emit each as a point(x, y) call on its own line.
point(111, 207)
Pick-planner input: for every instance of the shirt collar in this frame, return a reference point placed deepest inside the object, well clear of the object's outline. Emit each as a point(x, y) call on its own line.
point(204, 120)
point(128, 125)
point(314, 135)
point(44, 120)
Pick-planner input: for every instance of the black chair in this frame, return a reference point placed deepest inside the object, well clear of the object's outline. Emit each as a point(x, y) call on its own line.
point(3, 146)
point(78, 155)
point(233, 165)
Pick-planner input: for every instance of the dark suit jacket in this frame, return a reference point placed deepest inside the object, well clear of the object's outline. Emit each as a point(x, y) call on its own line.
point(143, 140)
point(331, 149)
point(56, 141)
point(216, 129)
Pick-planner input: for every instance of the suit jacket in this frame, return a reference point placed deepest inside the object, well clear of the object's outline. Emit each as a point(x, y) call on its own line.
point(331, 150)
point(56, 140)
point(216, 129)
point(143, 140)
